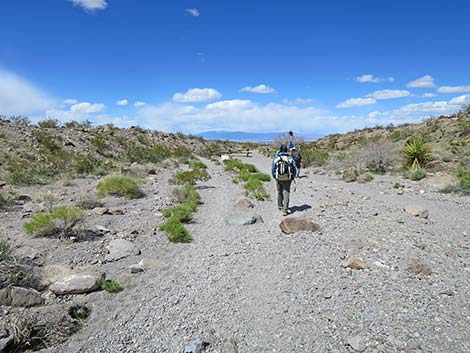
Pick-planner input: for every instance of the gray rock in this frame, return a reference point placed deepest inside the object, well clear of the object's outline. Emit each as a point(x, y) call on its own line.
point(242, 219)
point(417, 211)
point(230, 346)
point(77, 284)
point(6, 339)
point(20, 297)
point(291, 225)
point(358, 342)
point(245, 203)
point(121, 248)
point(101, 211)
point(196, 346)
point(417, 266)
point(136, 268)
point(356, 263)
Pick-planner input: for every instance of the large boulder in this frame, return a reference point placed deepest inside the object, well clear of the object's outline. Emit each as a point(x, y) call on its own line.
point(121, 248)
point(417, 211)
point(20, 297)
point(291, 225)
point(77, 284)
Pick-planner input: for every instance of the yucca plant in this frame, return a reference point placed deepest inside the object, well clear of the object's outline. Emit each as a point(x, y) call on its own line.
point(417, 153)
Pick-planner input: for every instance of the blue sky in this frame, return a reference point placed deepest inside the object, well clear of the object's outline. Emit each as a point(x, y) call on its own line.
point(198, 65)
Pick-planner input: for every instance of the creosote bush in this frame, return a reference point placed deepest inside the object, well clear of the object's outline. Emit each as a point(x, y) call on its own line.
point(191, 176)
point(175, 230)
point(255, 187)
point(249, 174)
point(183, 212)
point(188, 195)
point(119, 186)
point(59, 222)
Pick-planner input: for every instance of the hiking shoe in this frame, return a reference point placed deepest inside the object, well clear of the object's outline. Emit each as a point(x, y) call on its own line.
point(285, 213)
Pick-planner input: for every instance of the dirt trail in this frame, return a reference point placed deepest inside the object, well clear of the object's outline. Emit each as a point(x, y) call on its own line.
point(275, 293)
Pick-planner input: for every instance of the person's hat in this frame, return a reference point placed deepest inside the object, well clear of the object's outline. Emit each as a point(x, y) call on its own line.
point(293, 148)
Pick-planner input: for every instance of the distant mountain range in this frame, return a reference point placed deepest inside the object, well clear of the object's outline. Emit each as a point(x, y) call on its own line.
point(241, 136)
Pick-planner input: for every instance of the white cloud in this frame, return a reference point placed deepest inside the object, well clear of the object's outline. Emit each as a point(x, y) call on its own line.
point(19, 96)
point(356, 102)
point(90, 5)
point(122, 102)
point(428, 95)
point(139, 104)
point(70, 101)
point(460, 100)
point(236, 115)
point(193, 12)
point(87, 108)
point(367, 78)
point(197, 95)
point(426, 81)
point(297, 101)
point(454, 89)
point(262, 88)
point(388, 94)
point(371, 78)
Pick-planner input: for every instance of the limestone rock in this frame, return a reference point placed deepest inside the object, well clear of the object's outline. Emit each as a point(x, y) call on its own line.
point(101, 211)
point(356, 264)
point(196, 346)
point(242, 219)
point(245, 203)
point(291, 225)
point(417, 211)
point(121, 248)
point(76, 284)
point(20, 297)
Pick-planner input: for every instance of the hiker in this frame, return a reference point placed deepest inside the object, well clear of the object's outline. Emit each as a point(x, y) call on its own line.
point(290, 139)
point(284, 171)
point(295, 154)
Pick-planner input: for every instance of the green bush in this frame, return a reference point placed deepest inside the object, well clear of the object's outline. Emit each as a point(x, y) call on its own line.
point(187, 194)
point(417, 153)
point(7, 199)
point(236, 164)
point(255, 187)
point(144, 154)
point(365, 178)
point(415, 173)
point(183, 212)
point(175, 231)
point(110, 285)
point(4, 250)
point(59, 222)
point(350, 175)
point(314, 157)
point(463, 175)
point(87, 164)
point(190, 176)
point(119, 186)
point(198, 165)
point(49, 123)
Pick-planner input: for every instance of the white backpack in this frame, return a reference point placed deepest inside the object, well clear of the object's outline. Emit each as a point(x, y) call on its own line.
point(283, 168)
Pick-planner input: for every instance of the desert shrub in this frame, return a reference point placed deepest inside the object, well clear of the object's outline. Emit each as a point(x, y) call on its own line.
point(183, 212)
point(20, 120)
point(7, 199)
point(99, 142)
point(16, 273)
point(314, 157)
point(119, 186)
point(110, 285)
point(142, 154)
point(5, 250)
point(377, 156)
point(415, 173)
point(350, 175)
point(245, 176)
point(175, 231)
point(198, 165)
point(236, 164)
point(417, 153)
point(88, 201)
point(463, 175)
point(49, 123)
point(397, 185)
point(59, 222)
point(365, 178)
point(87, 164)
point(255, 187)
point(187, 194)
point(190, 176)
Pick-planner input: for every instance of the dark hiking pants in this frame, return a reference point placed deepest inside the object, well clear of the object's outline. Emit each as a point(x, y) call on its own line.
point(283, 191)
